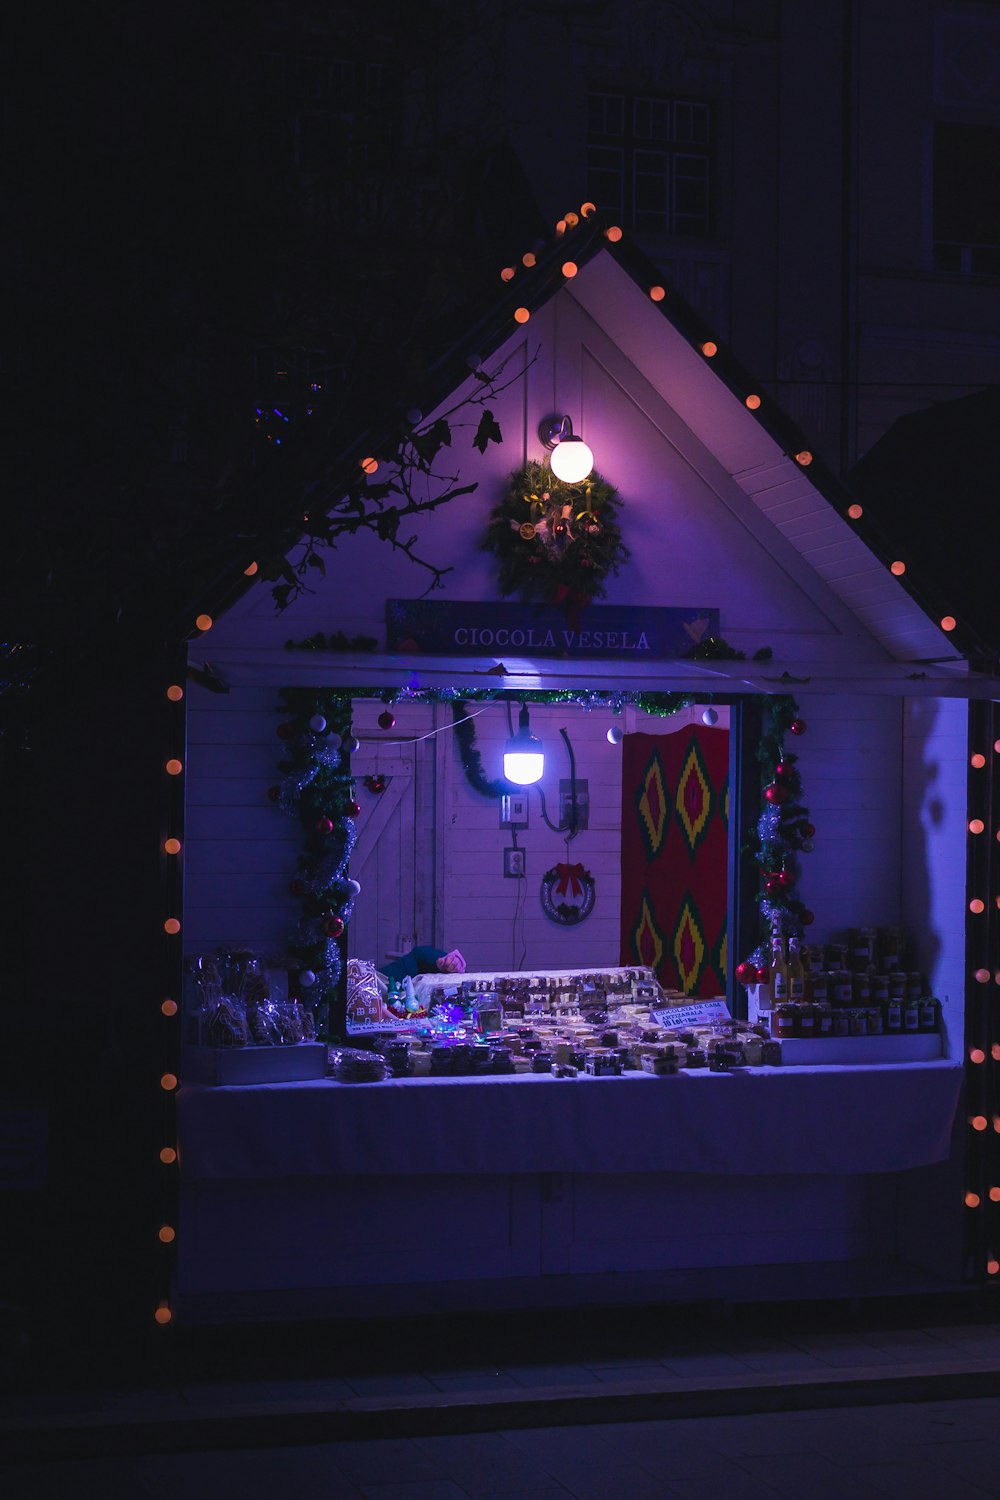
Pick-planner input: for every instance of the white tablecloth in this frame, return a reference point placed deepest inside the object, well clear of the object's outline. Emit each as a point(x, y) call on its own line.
point(761, 1121)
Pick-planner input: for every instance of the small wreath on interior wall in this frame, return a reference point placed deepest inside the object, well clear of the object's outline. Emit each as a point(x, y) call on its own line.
point(555, 542)
point(568, 894)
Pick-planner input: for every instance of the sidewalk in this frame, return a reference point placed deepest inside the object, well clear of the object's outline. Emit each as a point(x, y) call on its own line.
point(324, 1384)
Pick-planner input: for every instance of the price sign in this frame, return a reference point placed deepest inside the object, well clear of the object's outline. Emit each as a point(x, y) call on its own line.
point(700, 1012)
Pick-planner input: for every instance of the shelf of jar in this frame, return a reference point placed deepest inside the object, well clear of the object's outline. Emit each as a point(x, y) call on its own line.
point(840, 1051)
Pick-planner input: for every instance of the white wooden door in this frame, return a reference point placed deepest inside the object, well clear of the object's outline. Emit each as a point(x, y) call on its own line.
point(393, 857)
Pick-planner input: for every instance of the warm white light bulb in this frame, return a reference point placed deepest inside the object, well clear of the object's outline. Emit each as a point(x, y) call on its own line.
point(572, 460)
point(523, 757)
point(523, 767)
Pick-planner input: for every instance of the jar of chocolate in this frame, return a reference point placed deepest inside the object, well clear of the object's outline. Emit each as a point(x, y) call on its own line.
point(875, 1021)
point(783, 1019)
point(824, 1021)
point(806, 1020)
point(842, 992)
point(894, 1014)
point(929, 1008)
point(897, 985)
point(859, 1023)
point(861, 989)
point(911, 1015)
point(820, 987)
point(841, 1022)
point(880, 989)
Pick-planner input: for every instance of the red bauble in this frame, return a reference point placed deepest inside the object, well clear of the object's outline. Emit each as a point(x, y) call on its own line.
point(798, 726)
point(808, 918)
point(274, 792)
point(353, 809)
point(746, 973)
point(772, 885)
point(809, 830)
point(324, 825)
point(375, 784)
point(386, 720)
point(781, 770)
point(333, 926)
point(785, 878)
point(776, 794)
point(296, 887)
point(285, 731)
point(763, 975)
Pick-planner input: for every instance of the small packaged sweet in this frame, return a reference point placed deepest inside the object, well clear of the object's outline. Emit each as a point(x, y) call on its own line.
point(658, 1063)
point(353, 1065)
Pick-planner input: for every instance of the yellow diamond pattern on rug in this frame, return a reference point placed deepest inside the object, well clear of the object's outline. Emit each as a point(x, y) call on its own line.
point(652, 806)
point(689, 947)
point(694, 799)
point(647, 939)
point(720, 955)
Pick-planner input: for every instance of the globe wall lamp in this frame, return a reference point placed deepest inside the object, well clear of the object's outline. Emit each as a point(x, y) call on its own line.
point(572, 459)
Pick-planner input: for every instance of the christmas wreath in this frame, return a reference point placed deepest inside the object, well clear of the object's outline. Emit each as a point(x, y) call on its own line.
point(568, 894)
point(556, 542)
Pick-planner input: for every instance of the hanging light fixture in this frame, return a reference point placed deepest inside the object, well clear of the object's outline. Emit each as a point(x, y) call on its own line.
point(523, 756)
point(572, 459)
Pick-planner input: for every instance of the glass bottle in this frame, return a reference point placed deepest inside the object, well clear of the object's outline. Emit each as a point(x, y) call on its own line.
point(779, 970)
point(796, 973)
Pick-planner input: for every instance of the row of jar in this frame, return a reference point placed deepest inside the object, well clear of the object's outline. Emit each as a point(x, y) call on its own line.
point(841, 987)
point(791, 1018)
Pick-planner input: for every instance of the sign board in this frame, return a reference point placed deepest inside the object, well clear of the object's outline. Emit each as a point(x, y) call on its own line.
point(698, 1013)
point(468, 628)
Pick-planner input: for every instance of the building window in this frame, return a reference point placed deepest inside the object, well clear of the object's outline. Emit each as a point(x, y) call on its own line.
point(967, 199)
point(650, 162)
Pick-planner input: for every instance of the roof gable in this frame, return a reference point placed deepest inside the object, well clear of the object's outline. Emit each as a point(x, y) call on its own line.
point(695, 397)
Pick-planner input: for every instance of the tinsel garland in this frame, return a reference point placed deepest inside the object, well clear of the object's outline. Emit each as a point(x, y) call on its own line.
point(555, 542)
point(317, 788)
point(471, 758)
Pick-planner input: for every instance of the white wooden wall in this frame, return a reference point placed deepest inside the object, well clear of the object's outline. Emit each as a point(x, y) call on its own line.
point(889, 831)
point(239, 849)
point(936, 768)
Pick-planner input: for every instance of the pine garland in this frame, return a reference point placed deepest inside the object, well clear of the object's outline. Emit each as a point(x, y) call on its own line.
point(556, 543)
point(783, 831)
point(317, 789)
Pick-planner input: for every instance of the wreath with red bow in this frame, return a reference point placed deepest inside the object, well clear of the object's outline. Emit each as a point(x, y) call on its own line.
point(568, 894)
point(555, 542)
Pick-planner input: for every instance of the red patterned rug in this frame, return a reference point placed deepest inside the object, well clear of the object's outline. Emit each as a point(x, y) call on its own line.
point(675, 852)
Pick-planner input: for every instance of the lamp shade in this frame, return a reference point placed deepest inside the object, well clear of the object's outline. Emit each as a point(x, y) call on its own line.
point(572, 460)
point(523, 756)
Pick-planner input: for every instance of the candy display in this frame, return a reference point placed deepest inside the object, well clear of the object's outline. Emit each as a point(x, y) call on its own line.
point(564, 1025)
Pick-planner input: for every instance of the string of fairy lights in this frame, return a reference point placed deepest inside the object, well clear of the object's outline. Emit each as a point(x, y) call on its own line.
point(982, 1189)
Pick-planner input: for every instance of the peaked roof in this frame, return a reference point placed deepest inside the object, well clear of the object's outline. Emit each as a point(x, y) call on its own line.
point(764, 452)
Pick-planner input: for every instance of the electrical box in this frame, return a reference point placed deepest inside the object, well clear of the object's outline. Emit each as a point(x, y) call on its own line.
point(566, 803)
point(514, 810)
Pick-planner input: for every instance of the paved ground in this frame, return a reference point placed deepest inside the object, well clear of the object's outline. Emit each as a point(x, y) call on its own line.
point(874, 1407)
point(945, 1450)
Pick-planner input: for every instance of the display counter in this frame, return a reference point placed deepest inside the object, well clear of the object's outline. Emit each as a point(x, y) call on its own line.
point(301, 1190)
point(758, 1121)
